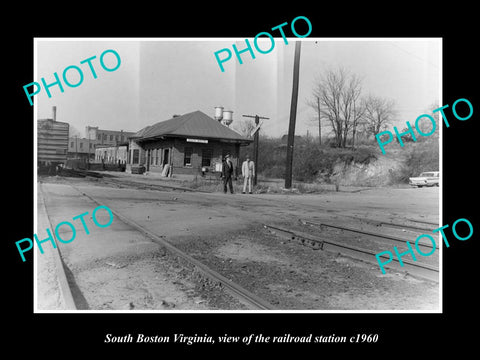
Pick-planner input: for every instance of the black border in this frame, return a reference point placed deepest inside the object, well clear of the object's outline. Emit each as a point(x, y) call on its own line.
point(84, 333)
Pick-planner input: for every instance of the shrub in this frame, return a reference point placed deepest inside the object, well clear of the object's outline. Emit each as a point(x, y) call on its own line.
point(311, 161)
point(419, 157)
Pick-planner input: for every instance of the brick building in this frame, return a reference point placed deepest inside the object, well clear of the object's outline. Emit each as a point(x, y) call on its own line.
point(81, 148)
point(107, 137)
point(189, 143)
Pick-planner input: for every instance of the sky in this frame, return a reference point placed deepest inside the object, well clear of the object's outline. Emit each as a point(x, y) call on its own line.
point(158, 78)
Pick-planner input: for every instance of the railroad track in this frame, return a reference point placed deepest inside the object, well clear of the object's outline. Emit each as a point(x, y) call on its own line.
point(405, 226)
point(240, 293)
point(393, 239)
point(143, 185)
point(315, 242)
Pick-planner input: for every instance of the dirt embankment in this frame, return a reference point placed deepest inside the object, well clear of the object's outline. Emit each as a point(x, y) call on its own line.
point(392, 168)
point(378, 172)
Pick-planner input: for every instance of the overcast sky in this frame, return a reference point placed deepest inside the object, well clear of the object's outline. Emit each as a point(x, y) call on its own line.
point(158, 78)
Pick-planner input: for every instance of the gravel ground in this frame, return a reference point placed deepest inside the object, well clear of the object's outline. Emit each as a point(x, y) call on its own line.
point(121, 270)
point(48, 293)
point(296, 277)
point(118, 268)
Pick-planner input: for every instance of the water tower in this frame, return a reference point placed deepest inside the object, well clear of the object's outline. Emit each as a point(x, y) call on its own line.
point(227, 117)
point(218, 113)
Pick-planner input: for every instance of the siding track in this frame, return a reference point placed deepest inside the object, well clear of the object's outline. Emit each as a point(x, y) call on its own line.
point(414, 268)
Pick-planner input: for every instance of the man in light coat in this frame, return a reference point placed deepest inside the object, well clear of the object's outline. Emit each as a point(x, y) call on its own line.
point(248, 172)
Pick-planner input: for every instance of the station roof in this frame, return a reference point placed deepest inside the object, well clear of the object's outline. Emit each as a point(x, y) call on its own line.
point(192, 125)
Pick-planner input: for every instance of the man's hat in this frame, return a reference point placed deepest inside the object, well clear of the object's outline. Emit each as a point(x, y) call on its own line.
point(227, 156)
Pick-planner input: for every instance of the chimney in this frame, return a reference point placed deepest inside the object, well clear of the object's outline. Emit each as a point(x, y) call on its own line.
point(54, 113)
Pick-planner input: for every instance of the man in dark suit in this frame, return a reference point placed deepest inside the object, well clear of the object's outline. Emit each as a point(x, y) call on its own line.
point(227, 173)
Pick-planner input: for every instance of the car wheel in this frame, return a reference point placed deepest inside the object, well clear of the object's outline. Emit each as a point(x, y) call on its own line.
point(420, 186)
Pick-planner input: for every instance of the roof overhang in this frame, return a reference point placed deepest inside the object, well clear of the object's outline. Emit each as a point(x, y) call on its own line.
point(242, 142)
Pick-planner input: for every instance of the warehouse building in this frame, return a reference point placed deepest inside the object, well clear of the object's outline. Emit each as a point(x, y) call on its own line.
point(190, 144)
point(52, 141)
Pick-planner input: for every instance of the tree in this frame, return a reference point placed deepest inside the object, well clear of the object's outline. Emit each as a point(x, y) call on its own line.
point(426, 126)
point(378, 113)
point(354, 114)
point(336, 98)
point(245, 127)
point(318, 120)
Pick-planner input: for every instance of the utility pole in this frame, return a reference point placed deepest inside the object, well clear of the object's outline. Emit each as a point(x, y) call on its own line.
point(319, 122)
point(293, 117)
point(255, 143)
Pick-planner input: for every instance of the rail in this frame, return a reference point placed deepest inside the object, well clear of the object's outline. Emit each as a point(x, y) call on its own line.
point(369, 233)
point(417, 269)
point(236, 290)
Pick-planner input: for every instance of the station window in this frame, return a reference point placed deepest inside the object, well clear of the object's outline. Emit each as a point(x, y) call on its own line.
point(136, 155)
point(207, 157)
point(187, 159)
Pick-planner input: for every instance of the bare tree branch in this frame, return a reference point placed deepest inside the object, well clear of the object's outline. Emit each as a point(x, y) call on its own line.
point(378, 113)
point(245, 127)
point(336, 98)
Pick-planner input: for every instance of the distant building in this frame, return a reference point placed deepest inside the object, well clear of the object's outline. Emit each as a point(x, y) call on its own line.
point(52, 137)
point(107, 154)
point(81, 148)
point(85, 148)
point(107, 137)
point(192, 143)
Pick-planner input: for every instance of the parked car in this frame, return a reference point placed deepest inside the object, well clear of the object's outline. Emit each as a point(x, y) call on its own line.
point(427, 178)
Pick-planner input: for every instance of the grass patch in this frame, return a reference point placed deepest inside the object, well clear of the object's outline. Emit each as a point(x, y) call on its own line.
point(264, 186)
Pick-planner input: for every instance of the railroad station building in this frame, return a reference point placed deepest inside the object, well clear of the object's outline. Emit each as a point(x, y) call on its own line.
point(191, 144)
